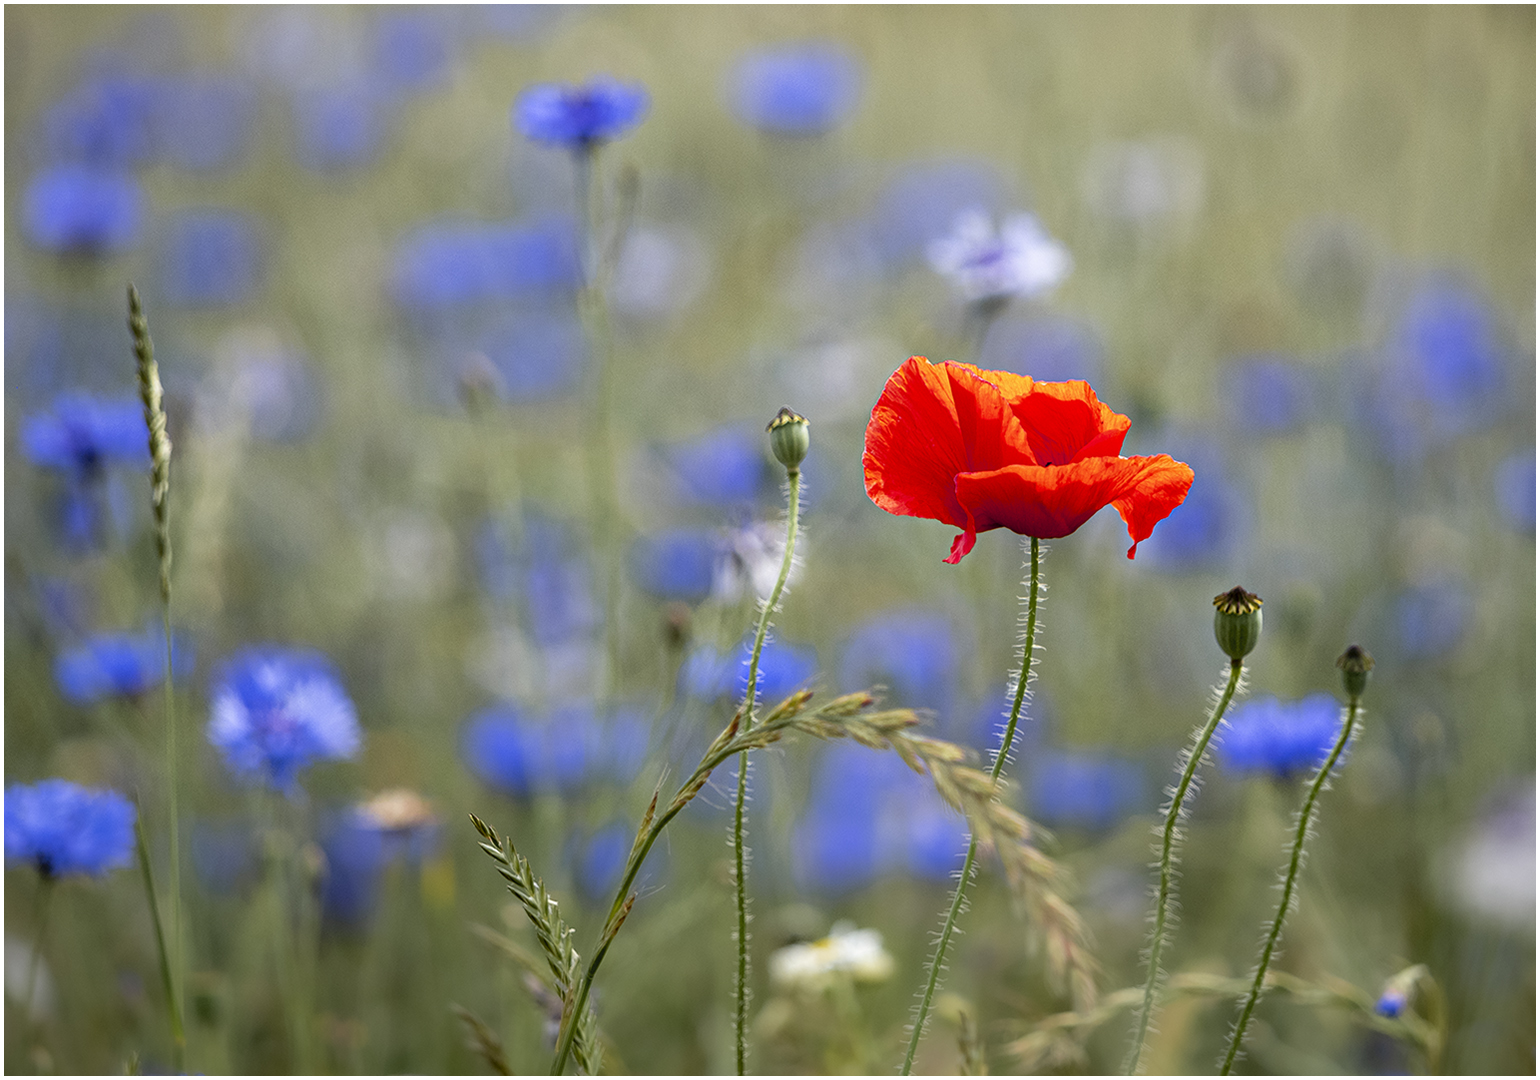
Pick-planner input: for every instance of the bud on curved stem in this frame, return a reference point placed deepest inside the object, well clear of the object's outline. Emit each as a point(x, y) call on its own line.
point(1237, 622)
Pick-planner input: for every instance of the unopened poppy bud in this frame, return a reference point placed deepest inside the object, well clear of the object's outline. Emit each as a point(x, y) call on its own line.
point(1356, 665)
point(789, 439)
point(1237, 622)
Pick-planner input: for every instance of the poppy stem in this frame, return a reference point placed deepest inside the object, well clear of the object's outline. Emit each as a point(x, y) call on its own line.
point(1296, 857)
point(1168, 864)
point(1002, 752)
point(740, 850)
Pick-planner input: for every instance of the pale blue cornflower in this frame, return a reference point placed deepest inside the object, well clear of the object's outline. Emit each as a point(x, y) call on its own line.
point(1019, 261)
point(62, 828)
point(277, 710)
point(579, 117)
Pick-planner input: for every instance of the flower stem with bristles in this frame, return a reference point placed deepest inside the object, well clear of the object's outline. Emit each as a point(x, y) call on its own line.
point(152, 397)
point(1168, 865)
point(1296, 858)
point(938, 958)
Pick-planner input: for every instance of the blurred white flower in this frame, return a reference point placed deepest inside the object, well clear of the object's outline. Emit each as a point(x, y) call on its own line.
point(752, 560)
point(662, 270)
point(19, 974)
point(857, 954)
point(1491, 873)
point(1145, 182)
point(1021, 260)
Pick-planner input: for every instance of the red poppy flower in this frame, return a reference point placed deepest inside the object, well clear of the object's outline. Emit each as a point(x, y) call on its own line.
point(991, 449)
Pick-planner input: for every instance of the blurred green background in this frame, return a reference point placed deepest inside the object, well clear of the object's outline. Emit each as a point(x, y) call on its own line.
point(1303, 244)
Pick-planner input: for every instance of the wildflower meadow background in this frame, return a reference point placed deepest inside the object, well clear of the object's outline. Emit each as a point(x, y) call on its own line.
point(472, 508)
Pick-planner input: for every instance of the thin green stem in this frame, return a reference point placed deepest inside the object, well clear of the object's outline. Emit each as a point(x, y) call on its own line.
point(1002, 752)
point(173, 956)
point(741, 892)
point(178, 1032)
point(44, 895)
point(1167, 867)
point(1296, 857)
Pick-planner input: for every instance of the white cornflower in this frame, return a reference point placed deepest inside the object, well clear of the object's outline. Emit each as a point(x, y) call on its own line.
point(857, 954)
point(1021, 260)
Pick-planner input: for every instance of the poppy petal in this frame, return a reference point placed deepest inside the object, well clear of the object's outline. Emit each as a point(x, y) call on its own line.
point(1065, 422)
point(1054, 501)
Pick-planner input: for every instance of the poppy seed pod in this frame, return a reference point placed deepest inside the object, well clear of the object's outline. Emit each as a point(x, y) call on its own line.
point(1237, 622)
point(789, 439)
point(1356, 665)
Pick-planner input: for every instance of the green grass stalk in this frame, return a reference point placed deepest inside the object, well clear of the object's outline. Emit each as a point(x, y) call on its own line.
point(152, 397)
point(1168, 865)
point(178, 1031)
point(954, 912)
point(1296, 858)
point(740, 850)
point(34, 965)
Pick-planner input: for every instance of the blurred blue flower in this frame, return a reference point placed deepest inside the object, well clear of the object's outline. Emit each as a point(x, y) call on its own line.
point(1392, 1002)
point(446, 263)
point(338, 127)
point(922, 203)
point(275, 710)
point(1090, 791)
point(203, 121)
point(225, 857)
point(1514, 483)
point(1449, 338)
point(355, 854)
point(579, 116)
point(82, 433)
point(937, 841)
point(1280, 739)
point(1430, 619)
point(913, 653)
point(557, 584)
point(210, 256)
point(519, 754)
point(1050, 348)
point(679, 564)
point(804, 89)
point(625, 742)
point(74, 208)
point(537, 356)
point(1020, 260)
point(602, 860)
point(120, 665)
point(723, 467)
point(412, 50)
point(983, 727)
point(62, 828)
point(835, 852)
point(1268, 395)
point(783, 669)
point(104, 122)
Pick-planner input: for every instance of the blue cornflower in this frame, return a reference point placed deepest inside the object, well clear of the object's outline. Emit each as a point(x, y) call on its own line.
point(1391, 1003)
point(204, 121)
point(1449, 339)
point(602, 859)
point(723, 467)
point(72, 208)
point(558, 585)
point(1050, 348)
point(914, 653)
point(276, 710)
point(211, 257)
point(537, 356)
point(579, 117)
point(338, 128)
point(82, 433)
point(519, 754)
point(120, 665)
point(447, 263)
point(1018, 260)
point(104, 123)
point(1207, 528)
point(937, 840)
point(1269, 395)
point(360, 843)
point(804, 89)
point(783, 669)
point(1514, 483)
point(680, 564)
point(1431, 619)
point(834, 852)
point(1090, 791)
point(412, 49)
point(1280, 739)
point(224, 856)
point(62, 828)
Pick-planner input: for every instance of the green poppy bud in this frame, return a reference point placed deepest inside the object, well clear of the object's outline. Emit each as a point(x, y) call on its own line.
point(789, 439)
point(1237, 622)
point(1356, 665)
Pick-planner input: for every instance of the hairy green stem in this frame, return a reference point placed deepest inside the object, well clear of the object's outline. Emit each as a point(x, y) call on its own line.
point(1296, 856)
point(178, 1032)
point(741, 892)
point(1167, 867)
point(938, 958)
